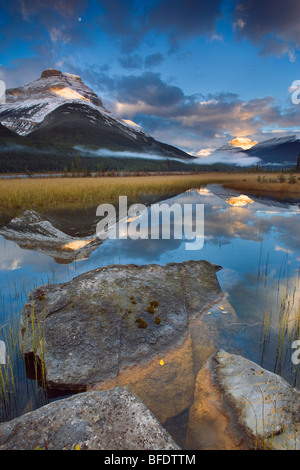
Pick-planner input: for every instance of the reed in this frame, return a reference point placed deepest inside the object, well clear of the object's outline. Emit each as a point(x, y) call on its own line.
point(268, 184)
point(18, 390)
point(47, 192)
point(281, 321)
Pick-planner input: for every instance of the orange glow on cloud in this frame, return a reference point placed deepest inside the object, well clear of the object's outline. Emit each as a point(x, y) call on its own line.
point(243, 142)
point(240, 201)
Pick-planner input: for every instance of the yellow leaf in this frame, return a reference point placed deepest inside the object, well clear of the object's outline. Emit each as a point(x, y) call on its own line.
point(161, 362)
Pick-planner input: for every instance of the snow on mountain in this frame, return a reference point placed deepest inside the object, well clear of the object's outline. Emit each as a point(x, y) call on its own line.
point(134, 126)
point(27, 106)
point(279, 151)
point(276, 141)
point(59, 109)
point(282, 151)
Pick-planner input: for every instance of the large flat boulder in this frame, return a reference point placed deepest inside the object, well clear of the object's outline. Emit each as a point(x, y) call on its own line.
point(240, 405)
point(123, 325)
point(107, 420)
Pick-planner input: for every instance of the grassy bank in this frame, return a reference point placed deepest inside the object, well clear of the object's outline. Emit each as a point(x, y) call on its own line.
point(46, 192)
point(43, 192)
point(280, 185)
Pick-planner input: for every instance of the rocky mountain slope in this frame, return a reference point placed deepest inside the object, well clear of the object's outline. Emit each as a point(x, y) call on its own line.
point(282, 151)
point(60, 109)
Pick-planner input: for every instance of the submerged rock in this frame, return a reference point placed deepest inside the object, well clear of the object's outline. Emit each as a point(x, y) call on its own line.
point(107, 420)
point(32, 231)
point(240, 405)
point(90, 334)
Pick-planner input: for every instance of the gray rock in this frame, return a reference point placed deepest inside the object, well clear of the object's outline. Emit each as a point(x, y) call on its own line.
point(107, 420)
point(89, 329)
point(239, 405)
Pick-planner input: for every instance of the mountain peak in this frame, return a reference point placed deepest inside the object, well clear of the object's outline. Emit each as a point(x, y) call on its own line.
point(51, 73)
point(31, 103)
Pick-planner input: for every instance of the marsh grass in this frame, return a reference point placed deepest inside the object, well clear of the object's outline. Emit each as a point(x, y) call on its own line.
point(281, 322)
point(20, 391)
point(49, 192)
point(268, 184)
point(9, 372)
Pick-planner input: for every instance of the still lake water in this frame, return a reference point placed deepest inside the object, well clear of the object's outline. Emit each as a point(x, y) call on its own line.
point(257, 244)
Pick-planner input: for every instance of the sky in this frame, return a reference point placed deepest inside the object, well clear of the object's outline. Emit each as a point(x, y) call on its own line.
point(193, 73)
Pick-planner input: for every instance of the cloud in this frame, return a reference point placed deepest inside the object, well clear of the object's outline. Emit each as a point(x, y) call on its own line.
point(183, 20)
point(178, 20)
point(135, 61)
point(148, 89)
point(237, 159)
point(123, 154)
point(205, 152)
point(153, 60)
point(64, 8)
point(274, 26)
point(131, 61)
point(37, 21)
point(154, 101)
point(196, 122)
point(23, 71)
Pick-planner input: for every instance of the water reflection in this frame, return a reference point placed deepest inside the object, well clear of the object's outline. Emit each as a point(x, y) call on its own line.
point(254, 240)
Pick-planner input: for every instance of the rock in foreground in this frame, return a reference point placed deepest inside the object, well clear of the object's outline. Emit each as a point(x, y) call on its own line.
point(239, 405)
point(107, 420)
point(113, 318)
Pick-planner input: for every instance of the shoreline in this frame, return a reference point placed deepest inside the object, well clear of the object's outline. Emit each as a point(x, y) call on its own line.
point(54, 191)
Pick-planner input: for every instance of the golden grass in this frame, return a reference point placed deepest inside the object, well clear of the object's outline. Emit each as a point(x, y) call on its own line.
point(267, 184)
point(43, 192)
point(49, 192)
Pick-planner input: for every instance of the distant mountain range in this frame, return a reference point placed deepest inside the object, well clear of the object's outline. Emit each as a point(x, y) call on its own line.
point(47, 123)
point(280, 151)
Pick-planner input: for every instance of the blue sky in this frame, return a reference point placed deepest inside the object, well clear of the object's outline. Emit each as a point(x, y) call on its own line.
point(193, 73)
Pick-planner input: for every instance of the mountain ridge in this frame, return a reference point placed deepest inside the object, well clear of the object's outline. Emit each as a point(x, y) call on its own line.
point(277, 151)
point(59, 108)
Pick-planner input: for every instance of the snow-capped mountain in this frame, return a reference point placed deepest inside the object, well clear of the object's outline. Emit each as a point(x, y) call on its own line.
point(279, 151)
point(60, 108)
point(28, 105)
point(276, 141)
